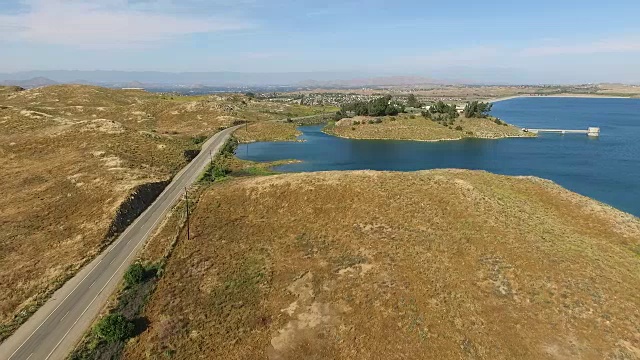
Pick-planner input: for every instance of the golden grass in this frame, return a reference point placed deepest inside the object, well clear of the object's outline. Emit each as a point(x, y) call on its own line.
point(404, 127)
point(441, 264)
point(267, 131)
point(70, 156)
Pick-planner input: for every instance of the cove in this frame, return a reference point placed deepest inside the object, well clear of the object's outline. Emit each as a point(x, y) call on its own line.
point(605, 168)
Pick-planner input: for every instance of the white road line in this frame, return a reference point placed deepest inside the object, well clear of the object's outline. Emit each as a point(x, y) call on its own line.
point(30, 355)
point(112, 276)
point(52, 312)
point(91, 284)
point(65, 315)
point(111, 247)
point(88, 306)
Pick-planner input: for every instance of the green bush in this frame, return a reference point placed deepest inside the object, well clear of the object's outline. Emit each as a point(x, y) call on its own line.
point(412, 116)
point(459, 128)
point(197, 140)
point(114, 327)
point(497, 121)
point(134, 275)
point(412, 101)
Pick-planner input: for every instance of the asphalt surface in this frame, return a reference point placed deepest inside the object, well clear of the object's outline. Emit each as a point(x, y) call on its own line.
point(53, 331)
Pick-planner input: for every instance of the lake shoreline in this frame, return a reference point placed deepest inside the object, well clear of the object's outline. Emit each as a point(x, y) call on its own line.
point(431, 140)
point(410, 128)
point(573, 96)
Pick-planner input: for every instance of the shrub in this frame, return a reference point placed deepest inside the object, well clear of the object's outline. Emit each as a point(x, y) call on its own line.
point(220, 171)
point(412, 116)
point(356, 122)
point(353, 128)
point(197, 140)
point(114, 327)
point(134, 275)
point(497, 121)
point(412, 101)
point(459, 128)
point(370, 121)
point(393, 118)
point(289, 120)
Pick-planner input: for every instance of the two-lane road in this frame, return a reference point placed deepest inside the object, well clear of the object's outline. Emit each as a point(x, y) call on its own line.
point(59, 324)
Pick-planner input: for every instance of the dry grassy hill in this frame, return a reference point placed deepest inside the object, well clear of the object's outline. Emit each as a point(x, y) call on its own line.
point(267, 131)
point(413, 127)
point(446, 264)
point(70, 155)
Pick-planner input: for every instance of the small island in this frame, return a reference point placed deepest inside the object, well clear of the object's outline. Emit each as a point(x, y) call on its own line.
point(385, 119)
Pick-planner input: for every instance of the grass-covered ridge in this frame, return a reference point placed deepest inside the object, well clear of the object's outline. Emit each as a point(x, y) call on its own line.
point(367, 264)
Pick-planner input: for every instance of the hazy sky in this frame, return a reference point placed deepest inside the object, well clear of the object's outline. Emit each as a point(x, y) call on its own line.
point(539, 41)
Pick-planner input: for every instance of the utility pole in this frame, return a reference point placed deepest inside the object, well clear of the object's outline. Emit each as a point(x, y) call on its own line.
point(186, 196)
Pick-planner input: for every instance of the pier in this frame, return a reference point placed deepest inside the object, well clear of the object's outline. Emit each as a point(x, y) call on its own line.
point(591, 131)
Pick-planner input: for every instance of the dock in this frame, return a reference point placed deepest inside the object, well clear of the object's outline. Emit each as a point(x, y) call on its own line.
point(591, 131)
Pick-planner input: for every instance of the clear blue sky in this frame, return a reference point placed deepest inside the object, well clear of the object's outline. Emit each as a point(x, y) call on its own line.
point(535, 41)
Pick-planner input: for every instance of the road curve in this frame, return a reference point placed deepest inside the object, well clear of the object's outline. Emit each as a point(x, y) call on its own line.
point(53, 331)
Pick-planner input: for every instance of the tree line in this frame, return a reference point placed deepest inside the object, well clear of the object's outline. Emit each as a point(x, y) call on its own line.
point(476, 109)
point(382, 106)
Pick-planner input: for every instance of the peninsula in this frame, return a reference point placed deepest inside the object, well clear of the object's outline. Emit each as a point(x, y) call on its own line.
point(382, 119)
point(397, 265)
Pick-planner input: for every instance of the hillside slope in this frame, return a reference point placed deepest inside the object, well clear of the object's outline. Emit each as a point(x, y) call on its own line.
point(444, 264)
point(70, 156)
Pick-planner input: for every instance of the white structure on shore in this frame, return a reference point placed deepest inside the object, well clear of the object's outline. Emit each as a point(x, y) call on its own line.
point(591, 131)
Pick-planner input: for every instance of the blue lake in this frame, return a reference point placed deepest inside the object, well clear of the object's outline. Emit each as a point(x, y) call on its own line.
point(605, 168)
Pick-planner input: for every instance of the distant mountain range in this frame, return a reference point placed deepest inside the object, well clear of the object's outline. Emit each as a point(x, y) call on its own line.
point(223, 79)
point(205, 79)
point(30, 83)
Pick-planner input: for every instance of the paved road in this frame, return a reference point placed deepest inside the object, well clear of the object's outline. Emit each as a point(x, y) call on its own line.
point(53, 331)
